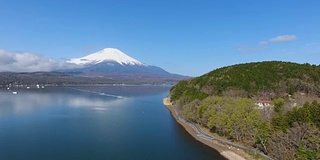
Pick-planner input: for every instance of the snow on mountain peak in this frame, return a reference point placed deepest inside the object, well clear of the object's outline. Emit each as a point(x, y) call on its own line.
point(107, 54)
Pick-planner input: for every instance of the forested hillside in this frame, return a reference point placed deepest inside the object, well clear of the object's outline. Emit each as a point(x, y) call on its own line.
point(226, 102)
point(259, 79)
point(71, 78)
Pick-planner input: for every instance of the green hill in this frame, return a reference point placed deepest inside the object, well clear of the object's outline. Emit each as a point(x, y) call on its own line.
point(273, 78)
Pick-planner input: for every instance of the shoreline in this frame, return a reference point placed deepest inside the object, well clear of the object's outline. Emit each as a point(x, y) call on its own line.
point(225, 151)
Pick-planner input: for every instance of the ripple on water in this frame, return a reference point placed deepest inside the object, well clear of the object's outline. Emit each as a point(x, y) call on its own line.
point(100, 109)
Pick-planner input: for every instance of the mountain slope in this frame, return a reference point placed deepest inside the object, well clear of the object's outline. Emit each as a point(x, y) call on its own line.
point(106, 55)
point(108, 66)
point(114, 64)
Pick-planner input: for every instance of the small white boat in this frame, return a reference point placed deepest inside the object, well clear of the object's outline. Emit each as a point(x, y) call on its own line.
point(28, 87)
point(14, 92)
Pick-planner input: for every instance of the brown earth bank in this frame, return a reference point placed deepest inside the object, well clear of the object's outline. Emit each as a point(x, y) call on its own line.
point(228, 152)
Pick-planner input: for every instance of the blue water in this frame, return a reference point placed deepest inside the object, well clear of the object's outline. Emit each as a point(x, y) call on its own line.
point(93, 123)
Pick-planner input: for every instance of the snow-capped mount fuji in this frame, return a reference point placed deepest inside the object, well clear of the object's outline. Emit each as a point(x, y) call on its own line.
point(106, 55)
point(112, 64)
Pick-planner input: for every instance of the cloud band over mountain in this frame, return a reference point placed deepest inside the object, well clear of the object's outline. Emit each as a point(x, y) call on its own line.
point(29, 62)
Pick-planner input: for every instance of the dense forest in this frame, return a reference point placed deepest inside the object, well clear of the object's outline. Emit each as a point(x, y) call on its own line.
point(226, 102)
point(61, 78)
point(260, 80)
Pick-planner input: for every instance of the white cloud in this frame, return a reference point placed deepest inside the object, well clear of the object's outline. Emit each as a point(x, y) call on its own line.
point(29, 62)
point(283, 38)
point(264, 44)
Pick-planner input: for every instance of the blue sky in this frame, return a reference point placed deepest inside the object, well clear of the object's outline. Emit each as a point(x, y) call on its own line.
point(189, 37)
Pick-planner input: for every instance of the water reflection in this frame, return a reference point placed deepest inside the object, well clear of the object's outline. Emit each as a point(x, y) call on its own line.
point(64, 123)
point(30, 100)
point(21, 102)
point(96, 103)
point(127, 91)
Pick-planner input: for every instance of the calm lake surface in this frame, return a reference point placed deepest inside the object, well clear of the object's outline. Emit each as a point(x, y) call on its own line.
point(92, 123)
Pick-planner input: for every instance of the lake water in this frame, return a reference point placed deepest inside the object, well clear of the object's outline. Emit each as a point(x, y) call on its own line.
point(92, 123)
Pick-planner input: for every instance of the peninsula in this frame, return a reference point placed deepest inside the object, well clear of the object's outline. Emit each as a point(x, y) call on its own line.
point(269, 109)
